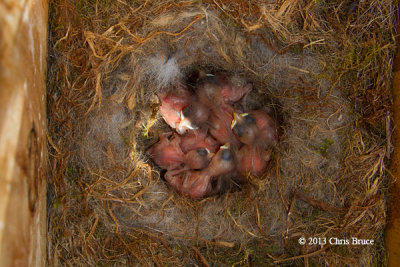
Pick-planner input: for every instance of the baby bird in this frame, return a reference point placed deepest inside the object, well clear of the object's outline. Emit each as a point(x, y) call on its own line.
point(255, 128)
point(183, 111)
point(197, 184)
point(252, 160)
point(198, 139)
point(191, 183)
point(220, 127)
point(198, 159)
point(173, 103)
point(193, 117)
point(232, 88)
point(222, 163)
point(221, 88)
point(167, 153)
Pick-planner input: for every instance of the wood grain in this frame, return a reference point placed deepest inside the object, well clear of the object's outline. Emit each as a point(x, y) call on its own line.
point(23, 51)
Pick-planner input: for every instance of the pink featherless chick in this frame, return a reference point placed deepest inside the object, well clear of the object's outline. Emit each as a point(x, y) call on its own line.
point(198, 139)
point(198, 159)
point(252, 160)
point(255, 128)
point(221, 87)
point(197, 184)
point(209, 92)
point(188, 182)
point(232, 88)
point(193, 117)
point(173, 103)
point(220, 126)
point(167, 153)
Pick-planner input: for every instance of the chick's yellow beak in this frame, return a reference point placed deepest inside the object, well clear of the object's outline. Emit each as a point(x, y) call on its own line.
point(237, 117)
point(226, 146)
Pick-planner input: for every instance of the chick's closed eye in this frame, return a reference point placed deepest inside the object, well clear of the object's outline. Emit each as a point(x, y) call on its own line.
point(226, 155)
point(238, 130)
point(249, 119)
point(202, 151)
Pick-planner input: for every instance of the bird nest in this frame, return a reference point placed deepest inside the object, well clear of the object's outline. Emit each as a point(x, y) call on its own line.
point(322, 67)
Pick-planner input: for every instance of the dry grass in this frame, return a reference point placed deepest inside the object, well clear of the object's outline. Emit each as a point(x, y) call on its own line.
point(324, 69)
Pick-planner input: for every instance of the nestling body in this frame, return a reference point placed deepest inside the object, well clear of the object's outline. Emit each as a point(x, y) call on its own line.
point(173, 103)
point(255, 128)
point(167, 153)
point(197, 184)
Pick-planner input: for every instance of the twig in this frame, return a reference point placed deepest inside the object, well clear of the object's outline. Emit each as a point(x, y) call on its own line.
point(278, 181)
point(92, 230)
point(152, 34)
point(98, 94)
point(318, 203)
point(203, 260)
point(133, 252)
point(289, 213)
point(114, 218)
point(304, 255)
point(259, 221)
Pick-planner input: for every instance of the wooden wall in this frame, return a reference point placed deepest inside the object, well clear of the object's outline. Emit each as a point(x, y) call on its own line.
point(23, 51)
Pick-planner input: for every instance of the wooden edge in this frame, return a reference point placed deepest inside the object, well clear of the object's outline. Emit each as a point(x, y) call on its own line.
point(23, 52)
point(392, 233)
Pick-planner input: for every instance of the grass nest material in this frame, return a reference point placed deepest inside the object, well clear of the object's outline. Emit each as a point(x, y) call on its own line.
point(323, 66)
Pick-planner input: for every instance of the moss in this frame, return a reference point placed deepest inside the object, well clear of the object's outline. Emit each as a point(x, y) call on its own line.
point(69, 171)
point(228, 20)
point(57, 203)
point(237, 208)
point(324, 146)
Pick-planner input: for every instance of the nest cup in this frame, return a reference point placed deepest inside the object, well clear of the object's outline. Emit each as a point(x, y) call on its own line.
point(108, 203)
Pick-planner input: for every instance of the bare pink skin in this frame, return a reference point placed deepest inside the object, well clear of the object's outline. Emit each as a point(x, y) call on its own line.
point(262, 131)
point(252, 160)
point(194, 184)
point(194, 117)
point(167, 153)
point(217, 93)
point(172, 104)
point(220, 126)
point(198, 139)
point(222, 163)
point(267, 127)
point(198, 158)
point(197, 184)
point(209, 94)
point(221, 89)
point(230, 91)
point(175, 178)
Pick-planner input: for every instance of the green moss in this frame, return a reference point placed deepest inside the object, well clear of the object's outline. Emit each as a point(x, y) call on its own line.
point(57, 203)
point(324, 146)
point(69, 171)
point(237, 207)
point(228, 20)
